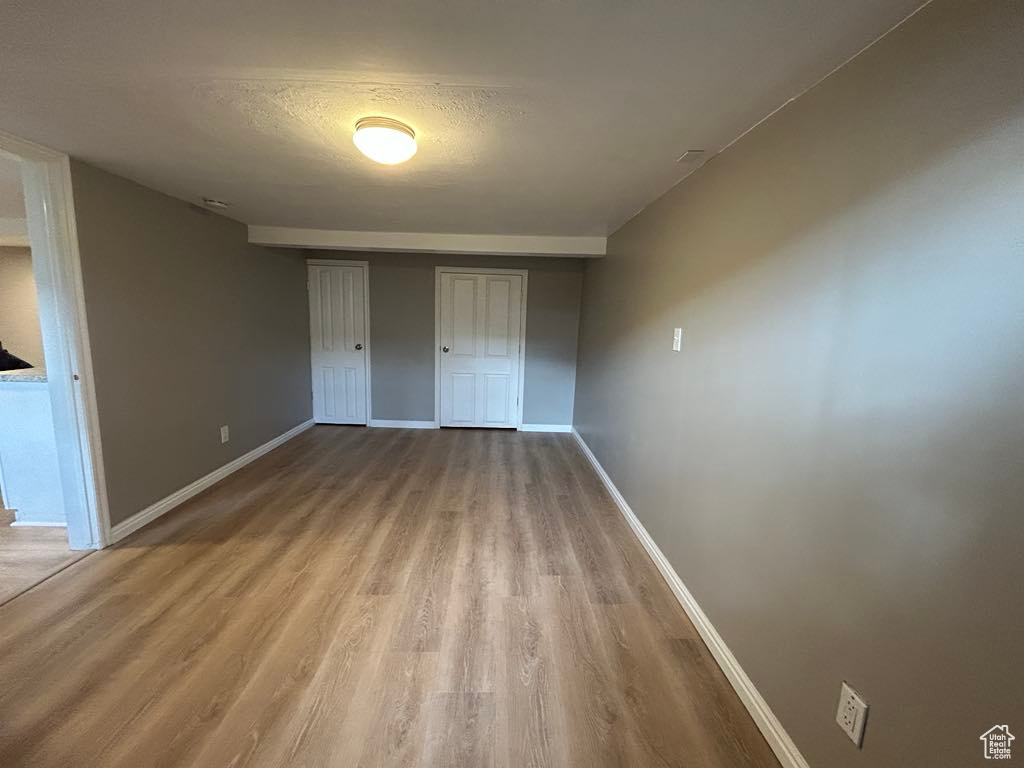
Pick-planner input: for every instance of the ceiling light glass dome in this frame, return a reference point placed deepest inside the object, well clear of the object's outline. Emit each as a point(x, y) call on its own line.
point(384, 140)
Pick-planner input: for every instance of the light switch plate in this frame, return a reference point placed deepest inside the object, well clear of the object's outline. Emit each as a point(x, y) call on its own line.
point(225, 434)
point(677, 339)
point(852, 714)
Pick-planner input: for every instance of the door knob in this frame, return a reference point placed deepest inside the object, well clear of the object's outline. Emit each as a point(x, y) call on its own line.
point(444, 349)
point(359, 346)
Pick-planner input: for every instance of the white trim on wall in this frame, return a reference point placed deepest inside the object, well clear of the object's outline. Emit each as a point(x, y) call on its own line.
point(37, 524)
point(438, 271)
point(429, 242)
point(166, 504)
point(399, 424)
point(56, 265)
point(772, 730)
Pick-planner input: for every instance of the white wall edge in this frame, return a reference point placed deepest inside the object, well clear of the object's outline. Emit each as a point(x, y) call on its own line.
point(583, 246)
point(166, 504)
point(776, 736)
point(565, 428)
point(392, 424)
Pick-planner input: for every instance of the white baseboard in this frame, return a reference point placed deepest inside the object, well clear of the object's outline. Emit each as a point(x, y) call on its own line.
point(391, 424)
point(166, 504)
point(37, 524)
point(546, 428)
point(780, 742)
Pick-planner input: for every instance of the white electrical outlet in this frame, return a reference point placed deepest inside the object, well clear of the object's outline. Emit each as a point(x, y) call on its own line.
point(225, 435)
point(677, 339)
point(852, 714)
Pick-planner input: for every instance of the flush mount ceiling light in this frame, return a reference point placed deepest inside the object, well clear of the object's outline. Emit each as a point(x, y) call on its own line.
point(384, 140)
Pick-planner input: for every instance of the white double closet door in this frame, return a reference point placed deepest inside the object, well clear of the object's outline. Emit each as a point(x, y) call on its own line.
point(338, 341)
point(480, 337)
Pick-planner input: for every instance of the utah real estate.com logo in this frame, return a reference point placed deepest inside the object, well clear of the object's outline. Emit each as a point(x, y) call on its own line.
point(997, 742)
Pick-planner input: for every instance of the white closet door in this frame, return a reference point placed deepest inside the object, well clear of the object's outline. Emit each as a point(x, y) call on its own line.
point(337, 316)
point(479, 357)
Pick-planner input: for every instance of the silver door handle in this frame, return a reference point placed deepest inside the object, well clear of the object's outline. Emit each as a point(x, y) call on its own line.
point(444, 349)
point(359, 346)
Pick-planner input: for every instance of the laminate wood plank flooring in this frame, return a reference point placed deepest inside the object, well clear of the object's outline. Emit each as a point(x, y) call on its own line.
point(30, 554)
point(372, 597)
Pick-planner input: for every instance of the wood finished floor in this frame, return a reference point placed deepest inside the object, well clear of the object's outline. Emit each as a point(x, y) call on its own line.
point(372, 598)
point(30, 554)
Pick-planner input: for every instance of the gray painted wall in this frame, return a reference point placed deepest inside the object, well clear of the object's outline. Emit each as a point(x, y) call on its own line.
point(19, 309)
point(191, 328)
point(835, 462)
point(402, 331)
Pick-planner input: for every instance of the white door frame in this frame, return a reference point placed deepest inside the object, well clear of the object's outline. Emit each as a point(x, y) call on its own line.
point(366, 317)
point(57, 267)
point(438, 271)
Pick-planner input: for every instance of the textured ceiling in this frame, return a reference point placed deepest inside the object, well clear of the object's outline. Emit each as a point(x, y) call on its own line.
point(12, 203)
point(562, 117)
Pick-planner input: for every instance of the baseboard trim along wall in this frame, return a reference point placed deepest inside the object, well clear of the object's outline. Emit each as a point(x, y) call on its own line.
point(392, 424)
point(41, 524)
point(166, 504)
point(780, 742)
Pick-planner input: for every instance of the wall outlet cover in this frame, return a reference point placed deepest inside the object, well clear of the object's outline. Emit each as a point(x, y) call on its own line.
point(225, 434)
point(852, 713)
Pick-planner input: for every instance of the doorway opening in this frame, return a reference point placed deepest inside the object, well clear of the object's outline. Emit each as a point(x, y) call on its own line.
point(52, 500)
